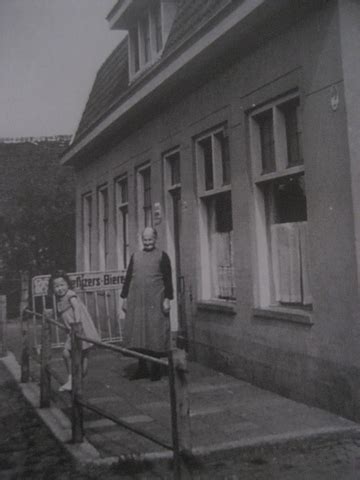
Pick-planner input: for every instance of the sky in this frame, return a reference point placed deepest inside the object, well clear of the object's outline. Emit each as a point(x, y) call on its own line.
point(50, 51)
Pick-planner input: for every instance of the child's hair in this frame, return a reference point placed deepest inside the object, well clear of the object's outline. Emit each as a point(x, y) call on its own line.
point(58, 274)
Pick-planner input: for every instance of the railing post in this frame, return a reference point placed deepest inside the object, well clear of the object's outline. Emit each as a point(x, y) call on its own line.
point(25, 354)
point(77, 421)
point(45, 355)
point(3, 313)
point(24, 296)
point(180, 406)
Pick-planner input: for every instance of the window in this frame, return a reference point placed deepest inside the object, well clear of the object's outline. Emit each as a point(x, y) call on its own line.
point(87, 230)
point(216, 228)
point(122, 222)
point(103, 217)
point(146, 38)
point(134, 42)
point(173, 169)
point(157, 26)
point(280, 204)
point(144, 198)
point(144, 31)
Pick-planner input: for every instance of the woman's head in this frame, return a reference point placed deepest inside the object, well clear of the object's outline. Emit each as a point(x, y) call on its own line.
point(59, 283)
point(149, 237)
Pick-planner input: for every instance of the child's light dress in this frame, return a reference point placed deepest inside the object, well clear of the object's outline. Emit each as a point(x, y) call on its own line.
point(67, 315)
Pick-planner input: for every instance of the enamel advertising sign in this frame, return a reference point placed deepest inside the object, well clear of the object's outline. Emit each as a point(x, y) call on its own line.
point(83, 282)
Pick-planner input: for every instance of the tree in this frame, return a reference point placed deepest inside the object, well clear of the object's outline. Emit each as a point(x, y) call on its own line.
point(41, 234)
point(37, 210)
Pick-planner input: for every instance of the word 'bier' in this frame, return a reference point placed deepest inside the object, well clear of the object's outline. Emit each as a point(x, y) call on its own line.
point(85, 282)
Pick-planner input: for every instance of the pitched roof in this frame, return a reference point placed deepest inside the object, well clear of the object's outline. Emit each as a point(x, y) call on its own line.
point(191, 17)
point(112, 79)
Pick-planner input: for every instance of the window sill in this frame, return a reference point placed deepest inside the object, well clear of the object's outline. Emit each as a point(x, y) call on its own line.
point(217, 306)
point(284, 314)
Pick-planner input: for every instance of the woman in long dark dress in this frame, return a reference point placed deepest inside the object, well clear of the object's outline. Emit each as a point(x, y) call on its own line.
point(146, 294)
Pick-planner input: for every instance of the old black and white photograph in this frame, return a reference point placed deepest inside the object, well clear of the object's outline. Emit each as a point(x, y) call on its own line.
point(180, 240)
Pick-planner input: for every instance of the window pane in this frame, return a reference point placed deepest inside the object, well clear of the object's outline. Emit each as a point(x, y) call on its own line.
point(147, 187)
point(225, 158)
point(290, 263)
point(157, 25)
point(265, 122)
point(146, 175)
point(106, 204)
point(293, 133)
point(135, 49)
point(289, 200)
point(145, 35)
point(87, 230)
point(219, 213)
point(103, 227)
point(125, 235)
point(206, 146)
point(106, 223)
point(174, 161)
point(223, 209)
point(123, 184)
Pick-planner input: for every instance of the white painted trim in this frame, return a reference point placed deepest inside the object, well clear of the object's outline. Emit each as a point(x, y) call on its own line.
point(286, 172)
point(264, 265)
point(275, 103)
point(241, 12)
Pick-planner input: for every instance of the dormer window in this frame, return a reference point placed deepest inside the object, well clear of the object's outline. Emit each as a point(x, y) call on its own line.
point(148, 23)
point(146, 39)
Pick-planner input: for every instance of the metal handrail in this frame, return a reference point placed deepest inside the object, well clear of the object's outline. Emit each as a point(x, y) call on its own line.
point(130, 353)
point(123, 423)
point(177, 381)
point(48, 319)
point(126, 351)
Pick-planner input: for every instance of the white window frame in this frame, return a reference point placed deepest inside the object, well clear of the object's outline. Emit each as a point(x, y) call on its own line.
point(264, 278)
point(122, 221)
point(204, 196)
point(170, 187)
point(139, 44)
point(87, 209)
point(281, 159)
point(103, 226)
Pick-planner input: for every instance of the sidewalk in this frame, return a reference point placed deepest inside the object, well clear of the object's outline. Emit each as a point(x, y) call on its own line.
point(227, 415)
